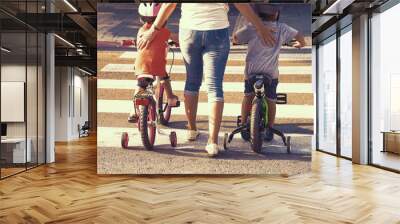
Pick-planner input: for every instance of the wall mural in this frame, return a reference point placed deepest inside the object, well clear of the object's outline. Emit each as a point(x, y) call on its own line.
point(163, 85)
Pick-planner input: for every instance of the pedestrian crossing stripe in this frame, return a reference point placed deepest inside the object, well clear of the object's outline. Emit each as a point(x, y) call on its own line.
point(111, 137)
point(232, 56)
point(230, 109)
point(228, 86)
point(234, 70)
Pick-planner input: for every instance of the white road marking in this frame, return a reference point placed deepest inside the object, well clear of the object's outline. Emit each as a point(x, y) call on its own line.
point(230, 109)
point(236, 70)
point(228, 86)
point(232, 56)
point(111, 137)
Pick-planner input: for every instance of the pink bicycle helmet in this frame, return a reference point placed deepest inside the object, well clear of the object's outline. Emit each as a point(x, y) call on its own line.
point(148, 11)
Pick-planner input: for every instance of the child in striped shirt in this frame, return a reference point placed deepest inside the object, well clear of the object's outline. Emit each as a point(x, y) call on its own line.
point(262, 59)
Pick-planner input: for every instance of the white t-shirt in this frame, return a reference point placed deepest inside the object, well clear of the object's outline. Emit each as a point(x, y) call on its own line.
point(204, 16)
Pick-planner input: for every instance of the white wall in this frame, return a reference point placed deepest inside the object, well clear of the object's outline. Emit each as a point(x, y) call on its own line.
point(61, 103)
point(32, 126)
point(14, 73)
point(71, 102)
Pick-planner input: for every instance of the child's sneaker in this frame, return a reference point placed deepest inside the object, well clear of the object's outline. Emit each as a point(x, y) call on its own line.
point(192, 135)
point(245, 135)
point(174, 102)
point(269, 135)
point(133, 118)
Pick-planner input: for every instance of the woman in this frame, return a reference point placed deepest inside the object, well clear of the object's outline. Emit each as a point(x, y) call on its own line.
point(205, 45)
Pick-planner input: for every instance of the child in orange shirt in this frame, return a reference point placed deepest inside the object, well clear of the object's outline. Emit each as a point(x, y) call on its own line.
point(151, 61)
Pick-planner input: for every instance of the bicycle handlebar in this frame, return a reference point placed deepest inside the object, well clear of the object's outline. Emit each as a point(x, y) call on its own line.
point(172, 43)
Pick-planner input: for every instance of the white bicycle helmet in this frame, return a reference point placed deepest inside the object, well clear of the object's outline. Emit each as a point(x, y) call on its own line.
point(148, 11)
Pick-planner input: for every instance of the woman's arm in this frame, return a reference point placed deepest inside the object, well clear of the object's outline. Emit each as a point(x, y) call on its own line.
point(264, 32)
point(165, 12)
point(242, 35)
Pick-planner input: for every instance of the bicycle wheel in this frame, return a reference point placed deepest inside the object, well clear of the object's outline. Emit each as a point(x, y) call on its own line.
point(147, 126)
point(164, 111)
point(256, 126)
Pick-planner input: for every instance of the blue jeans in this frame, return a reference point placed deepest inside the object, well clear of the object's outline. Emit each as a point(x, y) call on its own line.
point(205, 52)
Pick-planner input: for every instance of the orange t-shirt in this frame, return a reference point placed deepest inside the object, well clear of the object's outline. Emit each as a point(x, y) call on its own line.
point(153, 59)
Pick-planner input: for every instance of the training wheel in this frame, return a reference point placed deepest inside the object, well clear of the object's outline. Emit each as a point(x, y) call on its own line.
point(226, 136)
point(173, 139)
point(124, 140)
point(288, 146)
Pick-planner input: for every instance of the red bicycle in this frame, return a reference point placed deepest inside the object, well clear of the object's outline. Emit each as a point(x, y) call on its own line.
point(151, 111)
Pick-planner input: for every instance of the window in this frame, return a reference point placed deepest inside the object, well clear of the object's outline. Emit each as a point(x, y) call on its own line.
point(327, 95)
point(346, 75)
point(385, 87)
point(22, 76)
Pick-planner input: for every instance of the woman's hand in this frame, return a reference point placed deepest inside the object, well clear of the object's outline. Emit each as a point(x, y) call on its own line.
point(146, 38)
point(266, 34)
point(235, 40)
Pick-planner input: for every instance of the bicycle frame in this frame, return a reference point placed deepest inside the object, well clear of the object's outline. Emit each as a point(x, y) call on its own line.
point(259, 89)
point(260, 94)
point(145, 98)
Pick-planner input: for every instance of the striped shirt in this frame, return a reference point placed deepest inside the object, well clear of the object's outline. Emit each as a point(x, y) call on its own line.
point(261, 58)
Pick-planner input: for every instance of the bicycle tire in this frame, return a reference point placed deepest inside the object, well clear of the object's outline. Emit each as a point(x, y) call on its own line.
point(256, 126)
point(163, 116)
point(147, 131)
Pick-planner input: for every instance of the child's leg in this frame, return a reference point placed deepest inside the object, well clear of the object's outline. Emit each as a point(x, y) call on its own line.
point(247, 100)
point(172, 99)
point(132, 114)
point(246, 107)
point(271, 97)
point(168, 88)
point(271, 112)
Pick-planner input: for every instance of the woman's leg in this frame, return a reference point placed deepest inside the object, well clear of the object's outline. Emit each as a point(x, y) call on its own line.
point(191, 49)
point(215, 58)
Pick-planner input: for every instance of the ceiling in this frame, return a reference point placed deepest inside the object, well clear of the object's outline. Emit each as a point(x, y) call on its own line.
point(327, 13)
point(74, 22)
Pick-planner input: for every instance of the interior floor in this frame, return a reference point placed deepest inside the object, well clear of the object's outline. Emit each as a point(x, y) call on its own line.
point(386, 159)
point(336, 191)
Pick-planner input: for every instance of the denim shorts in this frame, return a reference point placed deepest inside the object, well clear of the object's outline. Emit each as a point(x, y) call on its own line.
point(205, 52)
point(270, 86)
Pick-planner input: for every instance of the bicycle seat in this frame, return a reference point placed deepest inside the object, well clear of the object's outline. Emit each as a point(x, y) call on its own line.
point(259, 85)
point(143, 82)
